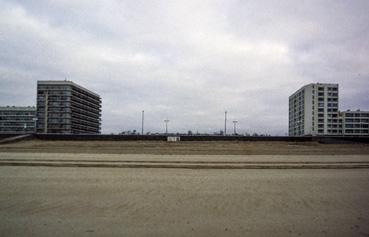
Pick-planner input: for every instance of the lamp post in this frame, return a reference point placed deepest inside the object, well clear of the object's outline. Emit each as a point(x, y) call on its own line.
point(234, 127)
point(142, 122)
point(225, 123)
point(166, 125)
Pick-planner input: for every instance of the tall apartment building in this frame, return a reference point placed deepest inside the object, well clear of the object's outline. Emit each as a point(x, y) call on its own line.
point(313, 110)
point(17, 120)
point(65, 107)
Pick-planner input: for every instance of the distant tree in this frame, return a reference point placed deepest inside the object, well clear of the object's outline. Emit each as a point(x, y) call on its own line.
point(189, 132)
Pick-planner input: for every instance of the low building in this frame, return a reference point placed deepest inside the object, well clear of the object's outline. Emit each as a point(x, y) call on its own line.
point(68, 108)
point(17, 120)
point(355, 123)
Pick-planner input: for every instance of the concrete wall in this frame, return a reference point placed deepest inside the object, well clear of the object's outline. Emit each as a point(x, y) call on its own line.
point(87, 137)
point(184, 138)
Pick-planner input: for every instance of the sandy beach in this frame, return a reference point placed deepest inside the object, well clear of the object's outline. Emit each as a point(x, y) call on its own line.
point(101, 188)
point(77, 201)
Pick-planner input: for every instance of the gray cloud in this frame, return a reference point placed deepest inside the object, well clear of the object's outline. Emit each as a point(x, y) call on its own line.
point(187, 60)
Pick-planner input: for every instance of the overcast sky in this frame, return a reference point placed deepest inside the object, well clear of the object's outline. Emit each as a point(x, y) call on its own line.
point(189, 60)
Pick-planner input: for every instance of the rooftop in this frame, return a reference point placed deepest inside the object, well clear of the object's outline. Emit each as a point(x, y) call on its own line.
point(65, 82)
point(17, 108)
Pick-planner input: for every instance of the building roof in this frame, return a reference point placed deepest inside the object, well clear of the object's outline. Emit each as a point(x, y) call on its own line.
point(17, 108)
point(315, 84)
point(65, 82)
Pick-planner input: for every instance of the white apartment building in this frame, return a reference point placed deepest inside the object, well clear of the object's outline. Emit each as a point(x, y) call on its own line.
point(313, 110)
point(355, 123)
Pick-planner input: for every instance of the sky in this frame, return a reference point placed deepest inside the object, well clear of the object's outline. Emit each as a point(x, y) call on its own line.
point(187, 61)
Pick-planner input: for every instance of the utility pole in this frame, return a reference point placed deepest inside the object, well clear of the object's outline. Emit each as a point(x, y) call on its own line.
point(166, 126)
point(142, 122)
point(234, 127)
point(225, 123)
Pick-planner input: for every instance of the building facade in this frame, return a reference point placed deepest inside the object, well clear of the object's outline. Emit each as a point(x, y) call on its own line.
point(17, 120)
point(355, 123)
point(65, 107)
point(313, 110)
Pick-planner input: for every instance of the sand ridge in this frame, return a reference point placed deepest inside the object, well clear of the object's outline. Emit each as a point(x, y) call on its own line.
point(186, 148)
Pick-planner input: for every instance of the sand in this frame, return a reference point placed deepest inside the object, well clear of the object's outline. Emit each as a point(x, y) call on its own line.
point(44, 201)
point(184, 161)
point(100, 201)
point(186, 148)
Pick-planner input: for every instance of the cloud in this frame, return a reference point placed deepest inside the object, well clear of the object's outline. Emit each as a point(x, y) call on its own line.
point(187, 61)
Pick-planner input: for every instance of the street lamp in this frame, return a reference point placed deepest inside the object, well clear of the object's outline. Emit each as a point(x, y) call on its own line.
point(142, 122)
point(234, 127)
point(166, 125)
point(225, 123)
